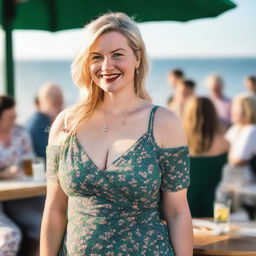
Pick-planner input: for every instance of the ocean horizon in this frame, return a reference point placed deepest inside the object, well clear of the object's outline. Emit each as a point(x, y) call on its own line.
point(31, 74)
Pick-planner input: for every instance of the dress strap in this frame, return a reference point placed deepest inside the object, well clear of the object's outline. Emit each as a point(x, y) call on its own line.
point(151, 118)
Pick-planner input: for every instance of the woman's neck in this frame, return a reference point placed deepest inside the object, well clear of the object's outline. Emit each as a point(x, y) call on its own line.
point(120, 103)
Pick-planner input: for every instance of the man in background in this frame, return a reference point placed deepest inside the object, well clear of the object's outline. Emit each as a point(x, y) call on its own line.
point(250, 85)
point(221, 102)
point(174, 78)
point(49, 103)
point(183, 92)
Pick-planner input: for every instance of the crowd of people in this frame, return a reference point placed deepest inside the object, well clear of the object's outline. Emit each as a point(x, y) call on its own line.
point(215, 125)
point(104, 200)
point(20, 219)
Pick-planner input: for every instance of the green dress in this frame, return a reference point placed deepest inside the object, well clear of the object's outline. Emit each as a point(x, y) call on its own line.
point(114, 212)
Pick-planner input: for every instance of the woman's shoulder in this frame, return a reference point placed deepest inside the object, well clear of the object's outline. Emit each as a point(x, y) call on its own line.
point(57, 128)
point(252, 128)
point(168, 129)
point(19, 130)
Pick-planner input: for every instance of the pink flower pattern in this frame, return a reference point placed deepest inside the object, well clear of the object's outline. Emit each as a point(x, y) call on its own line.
point(115, 211)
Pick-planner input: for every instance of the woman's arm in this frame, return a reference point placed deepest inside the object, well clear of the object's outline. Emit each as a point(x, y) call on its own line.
point(10, 172)
point(178, 218)
point(54, 220)
point(169, 134)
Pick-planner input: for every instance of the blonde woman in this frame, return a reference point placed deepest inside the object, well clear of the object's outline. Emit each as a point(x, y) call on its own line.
point(242, 138)
point(110, 155)
point(204, 131)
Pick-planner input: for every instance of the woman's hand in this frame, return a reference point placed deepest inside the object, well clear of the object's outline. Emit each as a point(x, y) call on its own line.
point(11, 172)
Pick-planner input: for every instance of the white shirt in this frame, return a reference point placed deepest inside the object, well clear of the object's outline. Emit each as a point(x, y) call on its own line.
point(242, 141)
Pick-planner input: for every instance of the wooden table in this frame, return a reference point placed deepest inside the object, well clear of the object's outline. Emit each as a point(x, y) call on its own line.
point(230, 244)
point(22, 188)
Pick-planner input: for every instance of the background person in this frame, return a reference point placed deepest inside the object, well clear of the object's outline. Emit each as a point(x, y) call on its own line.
point(203, 129)
point(10, 234)
point(242, 138)
point(15, 146)
point(174, 78)
point(250, 85)
point(49, 105)
point(208, 149)
point(221, 102)
point(112, 169)
point(183, 92)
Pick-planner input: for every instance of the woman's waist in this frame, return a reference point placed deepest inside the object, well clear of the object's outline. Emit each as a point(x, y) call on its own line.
point(98, 207)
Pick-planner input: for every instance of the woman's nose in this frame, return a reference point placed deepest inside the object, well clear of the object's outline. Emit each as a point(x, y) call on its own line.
point(107, 64)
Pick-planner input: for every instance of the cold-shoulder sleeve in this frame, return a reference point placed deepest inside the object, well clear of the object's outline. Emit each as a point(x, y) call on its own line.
point(52, 162)
point(175, 166)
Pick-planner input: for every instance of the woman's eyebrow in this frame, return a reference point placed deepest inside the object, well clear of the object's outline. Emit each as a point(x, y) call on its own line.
point(118, 50)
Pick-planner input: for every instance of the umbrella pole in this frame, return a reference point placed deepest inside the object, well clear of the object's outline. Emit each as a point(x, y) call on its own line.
point(9, 67)
point(9, 7)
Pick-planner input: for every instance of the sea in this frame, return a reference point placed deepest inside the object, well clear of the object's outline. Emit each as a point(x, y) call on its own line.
point(31, 74)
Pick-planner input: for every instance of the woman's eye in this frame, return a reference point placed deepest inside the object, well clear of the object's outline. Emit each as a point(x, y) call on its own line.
point(116, 55)
point(96, 57)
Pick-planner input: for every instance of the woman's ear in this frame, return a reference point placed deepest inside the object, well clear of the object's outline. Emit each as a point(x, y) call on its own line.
point(138, 59)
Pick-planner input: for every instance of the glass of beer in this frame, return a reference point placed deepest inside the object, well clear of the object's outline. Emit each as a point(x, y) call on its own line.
point(27, 165)
point(222, 214)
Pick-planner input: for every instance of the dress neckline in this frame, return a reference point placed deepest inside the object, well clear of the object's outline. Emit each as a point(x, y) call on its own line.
point(115, 161)
point(126, 152)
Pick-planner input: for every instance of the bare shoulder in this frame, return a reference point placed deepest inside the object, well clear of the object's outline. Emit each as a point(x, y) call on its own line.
point(168, 130)
point(56, 131)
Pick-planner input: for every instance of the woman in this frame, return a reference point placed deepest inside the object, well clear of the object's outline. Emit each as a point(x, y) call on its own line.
point(109, 156)
point(208, 149)
point(205, 133)
point(242, 137)
point(15, 146)
point(10, 235)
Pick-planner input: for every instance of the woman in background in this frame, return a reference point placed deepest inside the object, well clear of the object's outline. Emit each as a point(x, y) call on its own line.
point(15, 146)
point(208, 149)
point(10, 235)
point(109, 157)
point(242, 138)
point(204, 131)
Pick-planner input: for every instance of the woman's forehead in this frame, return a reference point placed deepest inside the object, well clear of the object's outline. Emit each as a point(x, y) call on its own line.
point(110, 41)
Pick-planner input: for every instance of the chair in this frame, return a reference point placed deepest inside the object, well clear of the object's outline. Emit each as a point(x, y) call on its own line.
point(204, 177)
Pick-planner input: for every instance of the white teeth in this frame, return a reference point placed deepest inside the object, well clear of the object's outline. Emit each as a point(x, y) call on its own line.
point(110, 76)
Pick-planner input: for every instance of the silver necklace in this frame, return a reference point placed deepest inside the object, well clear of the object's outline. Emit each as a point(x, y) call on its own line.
point(105, 127)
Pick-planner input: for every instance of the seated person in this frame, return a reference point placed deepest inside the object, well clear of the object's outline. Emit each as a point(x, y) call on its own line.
point(49, 103)
point(15, 146)
point(10, 235)
point(242, 137)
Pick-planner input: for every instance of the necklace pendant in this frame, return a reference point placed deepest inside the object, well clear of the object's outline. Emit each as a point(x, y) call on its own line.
point(105, 128)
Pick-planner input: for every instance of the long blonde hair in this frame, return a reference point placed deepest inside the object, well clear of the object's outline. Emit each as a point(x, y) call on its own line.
point(123, 24)
point(200, 123)
point(248, 108)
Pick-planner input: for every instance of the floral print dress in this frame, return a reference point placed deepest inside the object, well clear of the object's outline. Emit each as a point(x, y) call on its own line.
point(114, 212)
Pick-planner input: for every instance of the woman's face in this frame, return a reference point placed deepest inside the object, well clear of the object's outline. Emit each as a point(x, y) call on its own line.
point(7, 120)
point(112, 62)
point(236, 112)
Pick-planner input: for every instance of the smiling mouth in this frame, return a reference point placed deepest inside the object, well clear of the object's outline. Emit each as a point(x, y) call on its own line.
point(110, 77)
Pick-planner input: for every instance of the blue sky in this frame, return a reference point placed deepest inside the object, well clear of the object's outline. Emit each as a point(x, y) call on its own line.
point(230, 34)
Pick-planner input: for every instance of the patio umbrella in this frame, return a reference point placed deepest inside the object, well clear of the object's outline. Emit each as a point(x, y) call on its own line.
point(54, 15)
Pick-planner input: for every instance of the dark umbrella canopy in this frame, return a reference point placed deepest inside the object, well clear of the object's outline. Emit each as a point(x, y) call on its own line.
point(54, 15)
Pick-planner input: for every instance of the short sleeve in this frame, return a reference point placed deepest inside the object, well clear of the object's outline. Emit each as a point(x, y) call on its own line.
point(52, 163)
point(245, 148)
point(175, 167)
